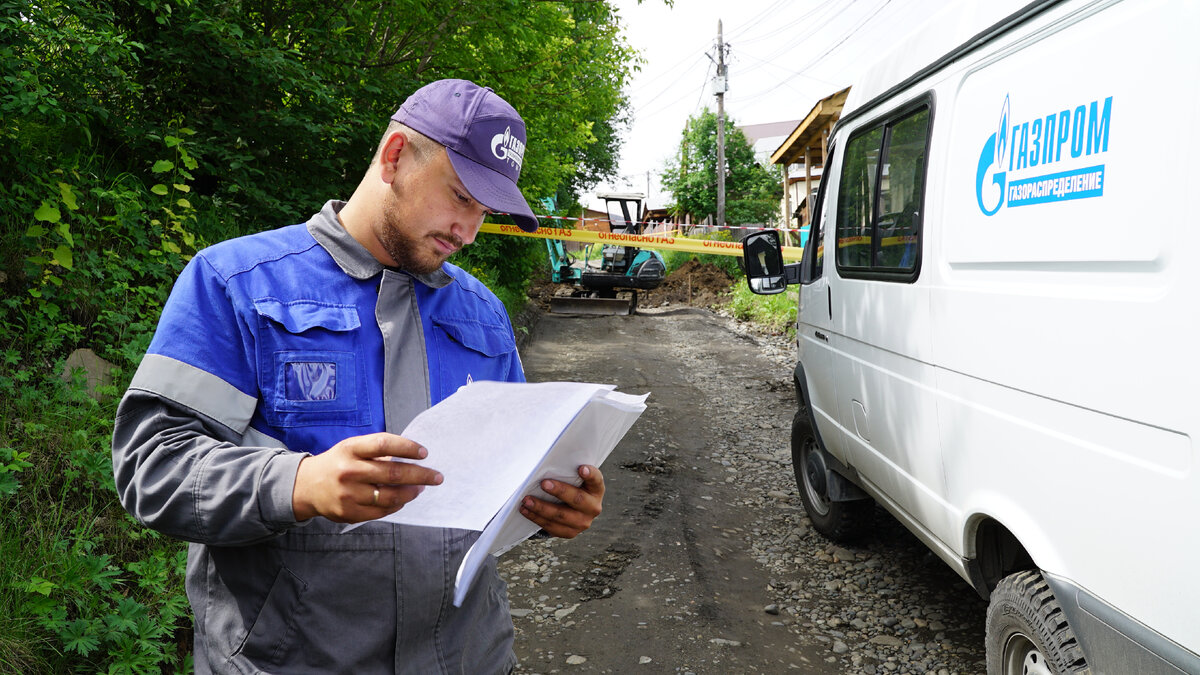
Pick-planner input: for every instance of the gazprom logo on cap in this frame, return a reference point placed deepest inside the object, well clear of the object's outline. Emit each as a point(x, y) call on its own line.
point(1018, 149)
point(509, 148)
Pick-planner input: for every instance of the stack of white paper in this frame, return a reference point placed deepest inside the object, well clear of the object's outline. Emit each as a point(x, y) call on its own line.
point(494, 442)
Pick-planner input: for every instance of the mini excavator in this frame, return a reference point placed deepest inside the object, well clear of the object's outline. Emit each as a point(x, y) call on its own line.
point(608, 286)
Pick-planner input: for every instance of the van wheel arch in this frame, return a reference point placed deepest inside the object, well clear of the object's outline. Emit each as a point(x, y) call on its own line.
point(998, 554)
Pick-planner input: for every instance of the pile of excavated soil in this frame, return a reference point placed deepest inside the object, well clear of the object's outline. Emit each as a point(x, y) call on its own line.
point(694, 283)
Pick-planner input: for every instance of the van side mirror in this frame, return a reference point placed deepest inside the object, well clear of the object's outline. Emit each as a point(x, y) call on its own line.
point(762, 258)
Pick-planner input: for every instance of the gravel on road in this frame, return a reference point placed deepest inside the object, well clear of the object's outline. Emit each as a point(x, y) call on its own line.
point(885, 605)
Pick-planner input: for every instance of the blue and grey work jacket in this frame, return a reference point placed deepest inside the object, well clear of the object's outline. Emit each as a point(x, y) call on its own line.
point(272, 347)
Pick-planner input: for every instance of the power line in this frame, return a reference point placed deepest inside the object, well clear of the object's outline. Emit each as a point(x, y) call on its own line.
point(787, 26)
point(669, 71)
point(701, 97)
point(784, 81)
point(757, 19)
point(664, 91)
point(802, 71)
point(847, 36)
point(816, 27)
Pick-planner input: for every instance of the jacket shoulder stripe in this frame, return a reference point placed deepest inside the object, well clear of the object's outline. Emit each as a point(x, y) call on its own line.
point(195, 388)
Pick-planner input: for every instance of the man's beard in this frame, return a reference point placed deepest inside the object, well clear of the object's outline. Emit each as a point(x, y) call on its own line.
point(407, 251)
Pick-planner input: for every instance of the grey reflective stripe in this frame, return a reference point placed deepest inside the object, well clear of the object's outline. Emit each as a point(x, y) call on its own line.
point(194, 388)
point(253, 438)
point(405, 366)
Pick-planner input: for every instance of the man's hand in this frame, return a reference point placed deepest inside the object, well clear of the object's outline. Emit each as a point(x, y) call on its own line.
point(579, 507)
point(355, 480)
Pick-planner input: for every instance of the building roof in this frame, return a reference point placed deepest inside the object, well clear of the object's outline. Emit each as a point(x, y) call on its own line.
point(756, 132)
point(808, 133)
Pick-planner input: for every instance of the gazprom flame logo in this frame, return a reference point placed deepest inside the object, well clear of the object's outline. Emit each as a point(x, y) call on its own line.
point(1067, 136)
point(507, 147)
point(993, 155)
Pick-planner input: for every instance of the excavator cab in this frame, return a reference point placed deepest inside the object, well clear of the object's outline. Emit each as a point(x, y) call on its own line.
point(609, 287)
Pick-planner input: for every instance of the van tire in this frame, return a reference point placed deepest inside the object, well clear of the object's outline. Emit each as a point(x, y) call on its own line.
point(841, 521)
point(1027, 631)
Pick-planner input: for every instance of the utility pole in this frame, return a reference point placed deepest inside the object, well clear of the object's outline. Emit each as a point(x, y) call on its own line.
point(720, 85)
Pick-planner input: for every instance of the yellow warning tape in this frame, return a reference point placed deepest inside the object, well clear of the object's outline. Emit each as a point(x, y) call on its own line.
point(655, 241)
point(901, 240)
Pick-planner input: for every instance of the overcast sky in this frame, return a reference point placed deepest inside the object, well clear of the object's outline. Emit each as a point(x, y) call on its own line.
point(783, 56)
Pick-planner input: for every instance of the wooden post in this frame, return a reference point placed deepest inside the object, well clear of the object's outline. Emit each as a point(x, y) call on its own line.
point(807, 185)
point(787, 196)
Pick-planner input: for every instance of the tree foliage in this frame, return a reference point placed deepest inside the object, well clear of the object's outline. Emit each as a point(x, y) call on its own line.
point(133, 133)
point(752, 191)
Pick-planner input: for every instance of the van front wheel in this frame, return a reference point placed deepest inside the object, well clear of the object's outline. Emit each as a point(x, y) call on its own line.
point(1027, 632)
point(837, 520)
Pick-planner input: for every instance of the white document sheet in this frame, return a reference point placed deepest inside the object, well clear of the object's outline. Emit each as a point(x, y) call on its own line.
point(494, 442)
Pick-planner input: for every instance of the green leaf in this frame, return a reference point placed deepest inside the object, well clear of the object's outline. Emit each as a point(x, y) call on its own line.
point(8, 485)
point(78, 637)
point(48, 213)
point(184, 203)
point(159, 189)
point(40, 586)
point(172, 141)
point(182, 188)
point(35, 231)
point(64, 231)
point(68, 196)
point(162, 166)
point(62, 256)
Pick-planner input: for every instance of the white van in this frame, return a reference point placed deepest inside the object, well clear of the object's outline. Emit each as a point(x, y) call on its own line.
point(999, 327)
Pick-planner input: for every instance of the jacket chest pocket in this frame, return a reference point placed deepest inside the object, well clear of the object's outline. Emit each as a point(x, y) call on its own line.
point(310, 363)
point(469, 350)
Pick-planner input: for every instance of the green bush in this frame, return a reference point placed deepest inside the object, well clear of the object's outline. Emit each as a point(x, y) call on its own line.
point(135, 132)
point(83, 587)
point(776, 312)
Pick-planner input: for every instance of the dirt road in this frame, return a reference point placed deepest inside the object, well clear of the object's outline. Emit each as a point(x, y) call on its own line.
point(703, 561)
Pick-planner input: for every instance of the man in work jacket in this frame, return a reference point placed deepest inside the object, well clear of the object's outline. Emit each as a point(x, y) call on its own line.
point(284, 366)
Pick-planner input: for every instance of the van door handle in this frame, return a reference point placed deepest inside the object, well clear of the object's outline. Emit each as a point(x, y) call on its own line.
point(821, 336)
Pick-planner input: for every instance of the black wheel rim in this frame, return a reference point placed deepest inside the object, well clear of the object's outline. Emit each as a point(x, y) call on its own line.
point(813, 469)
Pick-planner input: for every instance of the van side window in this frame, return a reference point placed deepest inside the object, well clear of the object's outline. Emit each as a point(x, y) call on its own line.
point(879, 199)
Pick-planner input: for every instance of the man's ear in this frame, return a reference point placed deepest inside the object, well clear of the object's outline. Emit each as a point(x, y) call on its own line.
point(389, 155)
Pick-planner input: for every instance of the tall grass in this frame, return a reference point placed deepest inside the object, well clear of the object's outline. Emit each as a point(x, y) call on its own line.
point(776, 313)
point(83, 588)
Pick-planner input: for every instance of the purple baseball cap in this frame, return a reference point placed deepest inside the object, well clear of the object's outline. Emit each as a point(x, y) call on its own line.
point(484, 137)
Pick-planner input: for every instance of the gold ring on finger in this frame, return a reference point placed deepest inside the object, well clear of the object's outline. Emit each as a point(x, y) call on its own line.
point(375, 498)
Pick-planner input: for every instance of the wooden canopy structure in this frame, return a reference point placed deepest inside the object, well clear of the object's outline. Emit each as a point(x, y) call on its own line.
point(807, 145)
